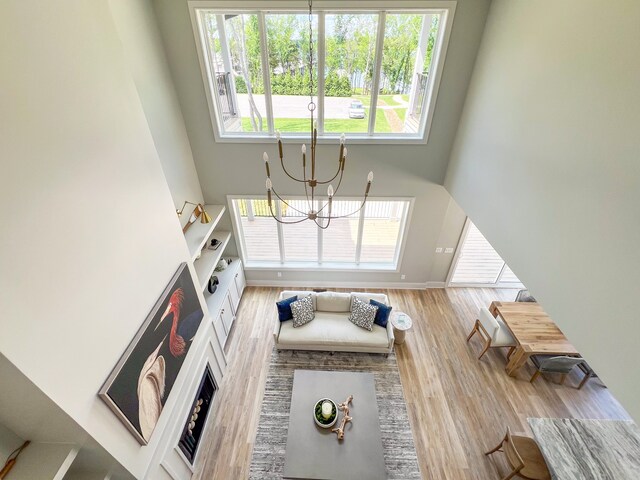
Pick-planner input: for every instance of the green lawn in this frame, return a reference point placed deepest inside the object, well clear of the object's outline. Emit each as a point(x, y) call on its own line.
point(332, 125)
point(387, 99)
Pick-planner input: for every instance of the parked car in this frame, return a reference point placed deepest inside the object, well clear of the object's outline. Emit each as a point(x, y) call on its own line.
point(356, 109)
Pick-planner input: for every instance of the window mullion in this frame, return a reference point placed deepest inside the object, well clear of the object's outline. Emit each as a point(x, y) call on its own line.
point(321, 62)
point(375, 81)
point(238, 219)
point(266, 80)
point(360, 232)
point(280, 230)
point(499, 277)
point(320, 233)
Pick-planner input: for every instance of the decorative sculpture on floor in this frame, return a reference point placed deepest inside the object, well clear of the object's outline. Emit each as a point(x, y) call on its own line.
point(344, 406)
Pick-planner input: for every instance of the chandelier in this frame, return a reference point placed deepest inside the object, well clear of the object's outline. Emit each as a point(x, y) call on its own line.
point(321, 216)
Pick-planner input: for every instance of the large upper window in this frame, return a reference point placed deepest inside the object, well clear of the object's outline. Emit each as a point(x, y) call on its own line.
point(369, 239)
point(379, 70)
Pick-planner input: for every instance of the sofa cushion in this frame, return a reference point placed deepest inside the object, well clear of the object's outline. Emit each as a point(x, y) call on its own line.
point(284, 308)
point(329, 329)
point(382, 315)
point(333, 302)
point(302, 311)
point(300, 294)
point(363, 314)
point(366, 296)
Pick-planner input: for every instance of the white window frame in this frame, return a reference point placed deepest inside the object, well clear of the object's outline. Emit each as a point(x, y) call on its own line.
point(445, 8)
point(320, 265)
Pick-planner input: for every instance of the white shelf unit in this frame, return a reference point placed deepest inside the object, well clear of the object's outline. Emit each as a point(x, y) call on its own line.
point(198, 233)
point(209, 259)
point(226, 278)
point(223, 303)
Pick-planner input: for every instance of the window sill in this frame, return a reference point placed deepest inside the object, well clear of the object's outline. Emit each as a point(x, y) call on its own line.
point(326, 140)
point(324, 267)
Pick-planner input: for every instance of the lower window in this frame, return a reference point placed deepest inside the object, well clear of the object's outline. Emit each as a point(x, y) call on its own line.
point(369, 238)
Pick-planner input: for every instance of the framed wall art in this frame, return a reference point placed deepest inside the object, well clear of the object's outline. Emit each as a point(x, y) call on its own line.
point(139, 385)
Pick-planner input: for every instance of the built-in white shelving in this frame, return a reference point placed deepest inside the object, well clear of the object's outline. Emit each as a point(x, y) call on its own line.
point(220, 309)
point(223, 303)
point(226, 279)
point(198, 233)
point(209, 258)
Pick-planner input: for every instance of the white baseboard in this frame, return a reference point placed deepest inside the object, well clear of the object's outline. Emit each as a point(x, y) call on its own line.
point(436, 284)
point(331, 284)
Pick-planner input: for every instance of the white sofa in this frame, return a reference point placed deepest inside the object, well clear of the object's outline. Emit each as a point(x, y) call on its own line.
point(331, 329)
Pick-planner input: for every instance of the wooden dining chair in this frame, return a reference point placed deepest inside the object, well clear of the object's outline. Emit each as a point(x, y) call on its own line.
point(493, 331)
point(556, 364)
point(524, 457)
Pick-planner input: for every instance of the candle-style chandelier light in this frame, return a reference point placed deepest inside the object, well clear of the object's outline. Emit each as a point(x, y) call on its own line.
point(322, 216)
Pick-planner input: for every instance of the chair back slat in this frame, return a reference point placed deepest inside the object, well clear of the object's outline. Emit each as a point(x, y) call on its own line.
point(512, 454)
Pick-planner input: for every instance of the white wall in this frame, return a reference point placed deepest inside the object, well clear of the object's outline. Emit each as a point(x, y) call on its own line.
point(142, 45)
point(450, 234)
point(546, 165)
point(9, 441)
point(400, 170)
point(89, 237)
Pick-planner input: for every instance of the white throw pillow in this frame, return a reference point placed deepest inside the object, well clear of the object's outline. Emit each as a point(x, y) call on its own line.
point(362, 314)
point(302, 311)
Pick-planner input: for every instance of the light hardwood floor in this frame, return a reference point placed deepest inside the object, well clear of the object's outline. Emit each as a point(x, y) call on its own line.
point(459, 407)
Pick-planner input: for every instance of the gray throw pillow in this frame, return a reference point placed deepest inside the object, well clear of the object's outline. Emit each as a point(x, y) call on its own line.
point(302, 311)
point(362, 314)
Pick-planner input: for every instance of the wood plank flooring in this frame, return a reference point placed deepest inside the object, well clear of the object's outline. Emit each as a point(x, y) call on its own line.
point(459, 407)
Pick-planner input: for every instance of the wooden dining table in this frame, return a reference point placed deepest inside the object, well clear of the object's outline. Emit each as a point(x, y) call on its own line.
point(534, 331)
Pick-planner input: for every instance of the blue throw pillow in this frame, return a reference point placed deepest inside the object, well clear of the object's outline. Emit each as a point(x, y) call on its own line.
point(284, 308)
point(382, 315)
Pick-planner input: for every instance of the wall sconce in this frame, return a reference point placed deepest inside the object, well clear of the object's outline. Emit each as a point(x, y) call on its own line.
point(199, 211)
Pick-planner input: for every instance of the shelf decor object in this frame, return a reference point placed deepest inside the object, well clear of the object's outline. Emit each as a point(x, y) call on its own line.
point(199, 211)
point(322, 216)
point(139, 385)
point(344, 406)
point(325, 413)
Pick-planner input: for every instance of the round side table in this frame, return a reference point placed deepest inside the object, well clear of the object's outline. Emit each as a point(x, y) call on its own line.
point(401, 322)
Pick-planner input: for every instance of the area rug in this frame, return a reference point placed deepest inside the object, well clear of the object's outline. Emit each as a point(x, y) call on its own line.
point(271, 440)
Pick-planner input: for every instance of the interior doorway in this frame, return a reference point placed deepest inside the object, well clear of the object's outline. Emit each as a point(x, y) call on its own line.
point(477, 264)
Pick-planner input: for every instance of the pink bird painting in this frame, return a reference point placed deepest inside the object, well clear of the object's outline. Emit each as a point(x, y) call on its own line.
point(182, 330)
point(141, 382)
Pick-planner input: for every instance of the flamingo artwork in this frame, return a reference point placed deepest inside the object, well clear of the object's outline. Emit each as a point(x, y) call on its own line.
point(182, 331)
point(143, 379)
